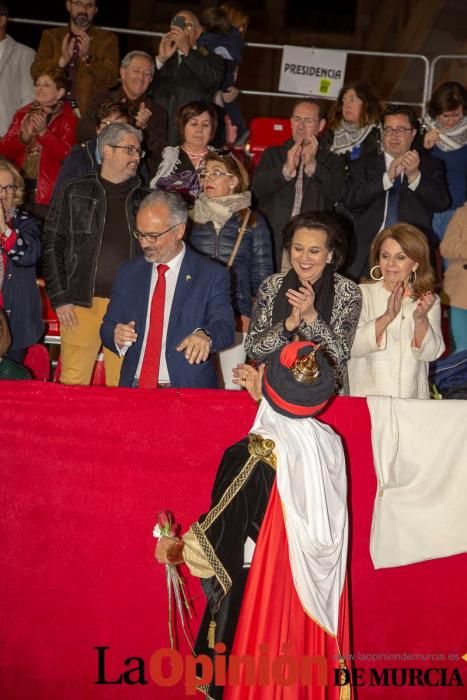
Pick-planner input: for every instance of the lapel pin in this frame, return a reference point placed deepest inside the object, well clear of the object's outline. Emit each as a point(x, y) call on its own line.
point(188, 278)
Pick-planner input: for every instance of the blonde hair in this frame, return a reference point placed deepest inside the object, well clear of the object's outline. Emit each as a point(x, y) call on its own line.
point(415, 245)
point(8, 167)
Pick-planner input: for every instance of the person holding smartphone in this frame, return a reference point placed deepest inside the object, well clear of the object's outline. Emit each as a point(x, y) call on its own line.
point(184, 72)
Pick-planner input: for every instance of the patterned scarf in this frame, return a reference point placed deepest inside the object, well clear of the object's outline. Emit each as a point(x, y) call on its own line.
point(452, 138)
point(348, 135)
point(219, 209)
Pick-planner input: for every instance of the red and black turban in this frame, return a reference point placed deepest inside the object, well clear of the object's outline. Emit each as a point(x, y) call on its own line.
point(289, 396)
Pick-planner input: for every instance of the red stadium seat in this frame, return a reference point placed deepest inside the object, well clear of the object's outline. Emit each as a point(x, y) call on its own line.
point(98, 375)
point(52, 324)
point(264, 132)
point(37, 361)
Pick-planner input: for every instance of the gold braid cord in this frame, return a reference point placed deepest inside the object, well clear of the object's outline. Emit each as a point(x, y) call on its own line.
point(260, 449)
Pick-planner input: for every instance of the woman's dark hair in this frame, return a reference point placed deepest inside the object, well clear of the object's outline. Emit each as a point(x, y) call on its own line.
point(215, 20)
point(447, 97)
point(324, 221)
point(195, 109)
point(371, 107)
point(117, 110)
point(58, 76)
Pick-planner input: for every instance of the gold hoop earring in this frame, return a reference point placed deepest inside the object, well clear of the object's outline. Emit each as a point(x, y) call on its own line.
point(376, 279)
point(413, 279)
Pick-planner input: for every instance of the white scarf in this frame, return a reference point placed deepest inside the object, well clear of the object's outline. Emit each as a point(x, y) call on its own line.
point(219, 209)
point(450, 139)
point(312, 485)
point(348, 135)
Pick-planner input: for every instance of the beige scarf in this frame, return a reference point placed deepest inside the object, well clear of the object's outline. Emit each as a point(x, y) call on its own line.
point(219, 209)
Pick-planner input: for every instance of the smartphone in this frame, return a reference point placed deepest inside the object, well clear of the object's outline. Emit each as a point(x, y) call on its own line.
point(178, 21)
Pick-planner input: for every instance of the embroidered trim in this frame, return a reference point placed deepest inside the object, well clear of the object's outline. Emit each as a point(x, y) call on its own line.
point(213, 561)
point(260, 449)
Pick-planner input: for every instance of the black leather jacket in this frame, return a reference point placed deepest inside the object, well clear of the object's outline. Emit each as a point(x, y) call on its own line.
point(73, 235)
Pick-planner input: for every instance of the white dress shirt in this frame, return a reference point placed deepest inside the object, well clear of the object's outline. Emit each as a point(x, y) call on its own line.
point(171, 277)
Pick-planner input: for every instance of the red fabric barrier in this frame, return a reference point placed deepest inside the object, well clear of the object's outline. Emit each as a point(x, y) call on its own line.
point(84, 472)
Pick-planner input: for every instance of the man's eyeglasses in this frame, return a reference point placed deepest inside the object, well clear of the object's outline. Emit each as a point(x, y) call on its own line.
point(131, 150)
point(9, 189)
point(84, 5)
point(308, 121)
point(399, 130)
point(213, 175)
point(151, 237)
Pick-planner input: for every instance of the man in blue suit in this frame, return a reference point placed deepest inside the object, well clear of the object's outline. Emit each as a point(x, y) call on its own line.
point(195, 317)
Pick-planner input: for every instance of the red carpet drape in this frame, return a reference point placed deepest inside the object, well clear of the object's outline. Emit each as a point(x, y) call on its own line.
point(84, 472)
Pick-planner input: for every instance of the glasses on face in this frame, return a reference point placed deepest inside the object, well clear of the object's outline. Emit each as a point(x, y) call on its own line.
point(152, 237)
point(83, 5)
point(8, 189)
point(213, 175)
point(308, 121)
point(131, 150)
point(399, 130)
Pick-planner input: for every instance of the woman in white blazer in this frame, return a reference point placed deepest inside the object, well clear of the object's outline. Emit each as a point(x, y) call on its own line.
point(399, 331)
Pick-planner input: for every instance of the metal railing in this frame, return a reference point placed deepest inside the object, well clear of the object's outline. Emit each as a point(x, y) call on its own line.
point(434, 65)
point(428, 76)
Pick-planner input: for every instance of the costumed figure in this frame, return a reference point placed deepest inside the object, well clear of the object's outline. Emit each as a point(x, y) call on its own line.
point(281, 493)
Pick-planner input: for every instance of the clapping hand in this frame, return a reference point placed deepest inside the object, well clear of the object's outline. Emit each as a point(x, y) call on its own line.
point(424, 304)
point(142, 117)
point(302, 302)
point(395, 301)
point(294, 155)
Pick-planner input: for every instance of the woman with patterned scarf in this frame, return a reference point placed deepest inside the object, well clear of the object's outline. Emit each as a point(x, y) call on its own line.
point(353, 122)
point(446, 137)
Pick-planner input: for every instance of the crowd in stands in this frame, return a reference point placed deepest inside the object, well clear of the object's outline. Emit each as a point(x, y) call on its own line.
point(124, 185)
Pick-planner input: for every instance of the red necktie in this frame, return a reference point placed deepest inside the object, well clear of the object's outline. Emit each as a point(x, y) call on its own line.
point(149, 375)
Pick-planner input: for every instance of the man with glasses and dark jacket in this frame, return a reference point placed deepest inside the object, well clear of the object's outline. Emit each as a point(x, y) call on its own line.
point(400, 184)
point(87, 234)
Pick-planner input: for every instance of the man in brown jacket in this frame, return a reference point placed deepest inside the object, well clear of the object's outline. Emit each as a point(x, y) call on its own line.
point(89, 55)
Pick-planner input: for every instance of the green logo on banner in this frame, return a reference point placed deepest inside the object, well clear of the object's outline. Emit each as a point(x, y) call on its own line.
point(324, 86)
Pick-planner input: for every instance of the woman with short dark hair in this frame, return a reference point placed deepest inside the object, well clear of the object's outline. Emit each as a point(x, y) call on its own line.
point(180, 166)
point(311, 301)
point(446, 139)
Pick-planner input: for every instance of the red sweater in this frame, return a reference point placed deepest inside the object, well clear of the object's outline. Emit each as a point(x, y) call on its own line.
point(56, 142)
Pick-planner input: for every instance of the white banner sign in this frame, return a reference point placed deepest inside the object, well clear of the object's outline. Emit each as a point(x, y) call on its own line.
point(317, 72)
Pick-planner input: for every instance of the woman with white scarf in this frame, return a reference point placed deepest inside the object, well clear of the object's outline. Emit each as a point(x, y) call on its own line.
point(446, 138)
point(225, 228)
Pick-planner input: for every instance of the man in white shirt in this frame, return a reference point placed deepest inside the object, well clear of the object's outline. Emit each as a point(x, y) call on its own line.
point(16, 84)
point(168, 336)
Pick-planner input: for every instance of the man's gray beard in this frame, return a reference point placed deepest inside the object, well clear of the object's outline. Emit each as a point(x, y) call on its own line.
point(82, 21)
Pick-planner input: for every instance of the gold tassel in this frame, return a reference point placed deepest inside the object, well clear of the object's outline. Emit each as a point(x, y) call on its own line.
point(212, 634)
point(345, 691)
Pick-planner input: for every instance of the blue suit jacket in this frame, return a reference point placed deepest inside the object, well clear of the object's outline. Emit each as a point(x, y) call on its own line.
point(201, 300)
